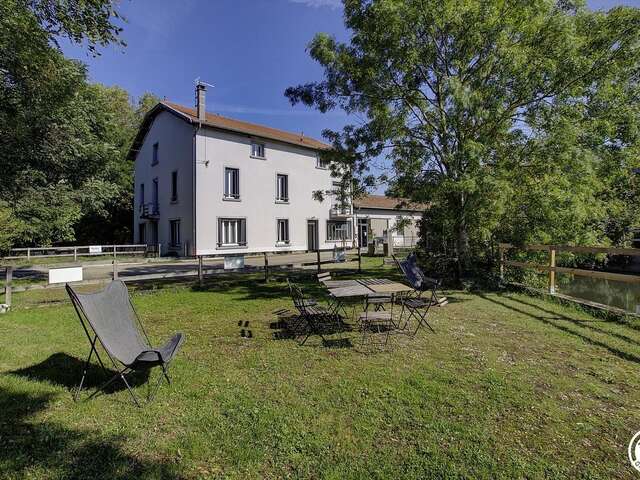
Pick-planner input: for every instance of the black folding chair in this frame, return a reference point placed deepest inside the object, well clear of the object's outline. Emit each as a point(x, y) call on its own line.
point(108, 317)
point(314, 316)
point(421, 283)
point(334, 305)
point(376, 326)
point(417, 303)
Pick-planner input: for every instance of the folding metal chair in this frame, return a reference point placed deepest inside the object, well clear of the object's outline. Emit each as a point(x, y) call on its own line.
point(108, 317)
point(313, 315)
point(375, 322)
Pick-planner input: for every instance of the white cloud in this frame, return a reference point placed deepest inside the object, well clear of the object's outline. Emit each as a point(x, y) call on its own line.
point(334, 4)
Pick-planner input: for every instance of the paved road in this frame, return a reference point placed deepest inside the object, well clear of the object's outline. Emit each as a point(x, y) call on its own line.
point(101, 270)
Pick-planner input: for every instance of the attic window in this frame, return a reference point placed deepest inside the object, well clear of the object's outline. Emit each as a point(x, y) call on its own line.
point(321, 162)
point(257, 150)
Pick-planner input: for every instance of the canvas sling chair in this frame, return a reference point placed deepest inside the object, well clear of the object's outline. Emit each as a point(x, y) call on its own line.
point(108, 317)
point(416, 303)
point(419, 281)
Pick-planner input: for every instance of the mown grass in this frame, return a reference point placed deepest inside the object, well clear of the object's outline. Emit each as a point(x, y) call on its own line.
point(508, 387)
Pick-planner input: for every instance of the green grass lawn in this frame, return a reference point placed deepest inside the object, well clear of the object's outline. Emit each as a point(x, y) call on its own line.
point(508, 387)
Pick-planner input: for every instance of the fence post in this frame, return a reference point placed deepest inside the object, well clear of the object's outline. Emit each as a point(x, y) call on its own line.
point(552, 271)
point(501, 250)
point(28, 253)
point(200, 271)
point(159, 247)
point(7, 286)
point(318, 253)
point(75, 254)
point(114, 251)
point(115, 269)
point(266, 267)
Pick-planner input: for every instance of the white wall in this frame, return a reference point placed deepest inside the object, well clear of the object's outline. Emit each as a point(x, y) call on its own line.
point(216, 150)
point(175, 152)
point(391, 216)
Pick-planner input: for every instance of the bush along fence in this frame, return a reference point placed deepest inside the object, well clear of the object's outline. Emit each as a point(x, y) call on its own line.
point(552, 268)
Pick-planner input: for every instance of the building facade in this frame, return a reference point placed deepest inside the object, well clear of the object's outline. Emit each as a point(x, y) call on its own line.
point(210, 185)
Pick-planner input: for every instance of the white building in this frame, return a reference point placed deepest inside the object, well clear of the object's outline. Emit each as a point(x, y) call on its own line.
point(378, 216)
point(210, 185)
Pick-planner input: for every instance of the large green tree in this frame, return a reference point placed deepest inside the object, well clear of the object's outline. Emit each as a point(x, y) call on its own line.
point(62, 141)
point(471, 101)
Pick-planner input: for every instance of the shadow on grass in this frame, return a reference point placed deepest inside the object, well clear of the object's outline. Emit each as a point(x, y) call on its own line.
point(31, 446)
point(291, 326)
point(556, 320)
point(66, 371)
point(587, 324)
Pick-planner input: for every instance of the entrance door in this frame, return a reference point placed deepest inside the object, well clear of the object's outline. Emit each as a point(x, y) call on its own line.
point(154, 233)
point(312, 235)
point(142, 237)
point(363, 231)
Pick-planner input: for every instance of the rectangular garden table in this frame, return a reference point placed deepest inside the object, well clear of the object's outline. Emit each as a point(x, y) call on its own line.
point(343, 290)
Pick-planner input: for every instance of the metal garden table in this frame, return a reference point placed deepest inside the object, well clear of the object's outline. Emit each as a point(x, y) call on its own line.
point(343, 290)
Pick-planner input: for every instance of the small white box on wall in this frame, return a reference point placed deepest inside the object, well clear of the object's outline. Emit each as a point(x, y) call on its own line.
point(65, 275)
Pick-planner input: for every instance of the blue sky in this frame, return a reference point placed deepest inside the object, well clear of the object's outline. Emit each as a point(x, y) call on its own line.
point(251, 50)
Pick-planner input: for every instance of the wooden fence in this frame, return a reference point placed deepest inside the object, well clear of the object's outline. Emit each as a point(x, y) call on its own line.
point(83, 251)
point(552, 268)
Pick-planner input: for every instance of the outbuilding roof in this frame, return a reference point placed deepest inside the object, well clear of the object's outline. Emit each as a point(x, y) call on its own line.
point(388, 203)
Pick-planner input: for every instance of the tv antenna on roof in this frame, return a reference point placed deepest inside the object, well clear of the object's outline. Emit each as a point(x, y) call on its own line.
point(197, 81)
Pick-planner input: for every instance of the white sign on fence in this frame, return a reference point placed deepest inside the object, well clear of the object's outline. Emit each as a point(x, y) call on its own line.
point(233, 262)
point(95, 249)
point(64, 275)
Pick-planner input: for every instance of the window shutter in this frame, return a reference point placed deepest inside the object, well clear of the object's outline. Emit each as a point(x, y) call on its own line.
point(236, 183)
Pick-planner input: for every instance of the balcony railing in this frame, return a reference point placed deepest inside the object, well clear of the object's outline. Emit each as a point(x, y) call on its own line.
point(338, 211)
point(149, 210)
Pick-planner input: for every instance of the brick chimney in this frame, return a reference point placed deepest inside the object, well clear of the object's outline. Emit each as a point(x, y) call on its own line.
point(201, 90)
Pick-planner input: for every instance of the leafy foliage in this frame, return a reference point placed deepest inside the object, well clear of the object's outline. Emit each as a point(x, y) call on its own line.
point(516, 121)
point(63, 142)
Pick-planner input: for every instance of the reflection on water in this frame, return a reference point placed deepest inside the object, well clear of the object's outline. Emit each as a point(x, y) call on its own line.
point(615, 294)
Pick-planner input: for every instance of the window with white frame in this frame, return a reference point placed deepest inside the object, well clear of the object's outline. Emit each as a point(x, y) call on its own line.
point(321, 162)
point(232, 232)
point(338, 230)
point(155, 158)
point(283, 230)
point(257, 150)
point(174, 229)
point(231, 183)
point(282, 187)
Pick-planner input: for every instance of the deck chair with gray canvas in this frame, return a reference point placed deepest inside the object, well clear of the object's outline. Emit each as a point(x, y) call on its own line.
point(108, 317)
point(417, 304)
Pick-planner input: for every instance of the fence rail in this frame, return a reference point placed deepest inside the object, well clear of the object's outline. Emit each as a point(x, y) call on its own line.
point(552, 268)
point(158, 269)
point(80, 250)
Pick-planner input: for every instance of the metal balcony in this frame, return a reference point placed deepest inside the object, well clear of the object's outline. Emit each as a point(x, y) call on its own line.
point(340, 211)
point(150, 211)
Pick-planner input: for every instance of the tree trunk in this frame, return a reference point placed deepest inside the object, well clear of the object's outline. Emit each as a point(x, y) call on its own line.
point(462, 240)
